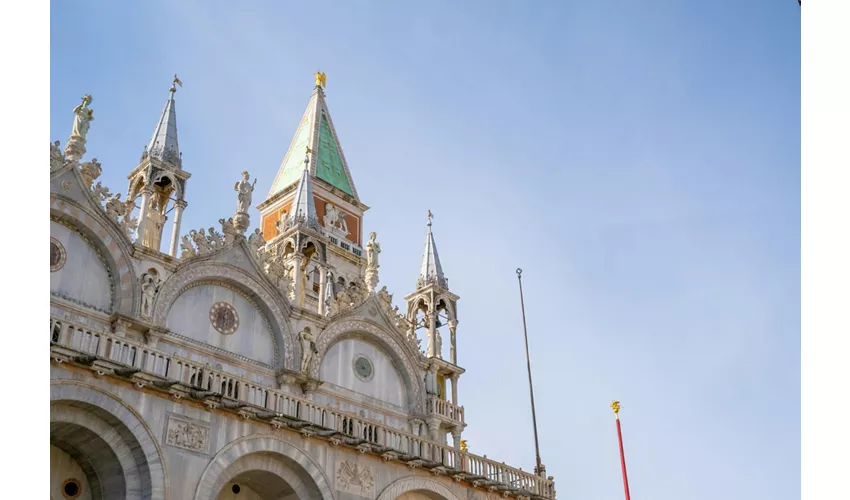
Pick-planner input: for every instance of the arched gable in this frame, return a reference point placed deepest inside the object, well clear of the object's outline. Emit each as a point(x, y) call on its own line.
point(269, 300)
point(112, 245)
point(397, 348)
point(214, 477)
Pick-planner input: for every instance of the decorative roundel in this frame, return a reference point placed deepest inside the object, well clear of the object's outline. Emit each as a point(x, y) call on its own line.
point(72, 489)
point(57, 255)
point(224, 318)
point(363, 368)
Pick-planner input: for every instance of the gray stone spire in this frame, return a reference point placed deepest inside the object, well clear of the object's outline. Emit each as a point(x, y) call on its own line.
point(303, 209)
point(163, 145)
point(431, 271)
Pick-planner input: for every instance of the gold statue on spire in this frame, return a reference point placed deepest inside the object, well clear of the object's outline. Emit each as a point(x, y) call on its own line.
point(321, 79)
point(615, 405)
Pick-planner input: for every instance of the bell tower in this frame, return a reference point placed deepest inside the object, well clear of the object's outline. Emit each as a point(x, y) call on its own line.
point(158, 184)
point(314, 193)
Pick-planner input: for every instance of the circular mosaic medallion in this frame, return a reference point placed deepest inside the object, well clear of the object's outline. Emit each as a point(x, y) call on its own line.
point(224, 318)
point(71, 489)
point(57, 255)
point(363, 368)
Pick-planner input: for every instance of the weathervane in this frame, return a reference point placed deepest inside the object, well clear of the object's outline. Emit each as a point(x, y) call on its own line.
point(177, 81)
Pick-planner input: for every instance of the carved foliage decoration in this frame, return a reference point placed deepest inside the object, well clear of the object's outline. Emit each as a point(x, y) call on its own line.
point(187, 435)
point(224, 273)
point(354, 478)
point(200, 242)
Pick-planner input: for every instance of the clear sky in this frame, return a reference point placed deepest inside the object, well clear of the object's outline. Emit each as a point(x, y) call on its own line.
point(639, 160)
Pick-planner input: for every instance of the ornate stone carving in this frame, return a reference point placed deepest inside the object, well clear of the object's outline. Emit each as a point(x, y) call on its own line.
point(223, 273)
point(57, 255)
point(335, 220)
point(150, 286)
point(57, 157)
point(200, 242)
point(245, 192)
point(373, 248)
point(83, 116)
point(100, 192)
point(90, 171)
point(354, 478)
point(187, 435)
point(308, 348)
point(186, 248)
point(229, 230)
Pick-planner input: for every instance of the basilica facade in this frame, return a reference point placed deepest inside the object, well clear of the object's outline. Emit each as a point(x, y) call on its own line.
point(248, 362)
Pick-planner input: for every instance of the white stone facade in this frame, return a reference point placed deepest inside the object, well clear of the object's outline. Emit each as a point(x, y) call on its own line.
point(206, 376)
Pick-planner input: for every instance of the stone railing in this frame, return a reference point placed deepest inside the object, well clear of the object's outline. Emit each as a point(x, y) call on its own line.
point(220, 390)
point(445, 409)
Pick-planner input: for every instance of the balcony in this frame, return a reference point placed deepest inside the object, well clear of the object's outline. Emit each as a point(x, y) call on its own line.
point(110, 355)
point(445, 410)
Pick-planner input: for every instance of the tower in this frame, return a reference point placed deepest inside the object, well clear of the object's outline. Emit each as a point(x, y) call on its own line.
point(431, 307)
point(158, 179)
point(313, 195)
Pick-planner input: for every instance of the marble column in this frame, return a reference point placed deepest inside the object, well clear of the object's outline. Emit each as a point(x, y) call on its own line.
point(144, 208)
point(179, 205)
point(454, 390)
point(432, 334)
point(323, 285)
point(453, 341)
point(456, 437)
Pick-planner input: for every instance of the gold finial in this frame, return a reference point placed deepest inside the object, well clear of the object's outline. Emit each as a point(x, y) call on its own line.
point(321, 79)
point(615, 405)
point(430, 216)
point(463, 445)
point(309, 150)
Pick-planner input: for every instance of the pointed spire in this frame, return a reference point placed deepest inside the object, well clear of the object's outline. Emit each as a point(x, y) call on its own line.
point(316, 131)
point(431, 270)
point(303, 208)
point(163, 144)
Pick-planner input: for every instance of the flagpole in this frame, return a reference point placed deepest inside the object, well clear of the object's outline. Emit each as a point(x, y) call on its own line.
point(615, 405)
point(539, 469)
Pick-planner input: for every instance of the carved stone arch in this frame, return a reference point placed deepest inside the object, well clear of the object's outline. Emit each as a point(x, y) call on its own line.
point(413, 306)
point(450, 307)
point(269, 300)
point(398, 349)
point(416, 483)
point(178, 187)
point(125, 424)
point(226, 462)
point(113, 246)
point(317, 245)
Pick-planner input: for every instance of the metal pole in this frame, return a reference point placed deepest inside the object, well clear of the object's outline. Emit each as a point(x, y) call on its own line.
point(539, 469)
point(615, 405)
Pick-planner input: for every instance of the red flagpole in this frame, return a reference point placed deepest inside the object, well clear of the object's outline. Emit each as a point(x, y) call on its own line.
point(615, 405)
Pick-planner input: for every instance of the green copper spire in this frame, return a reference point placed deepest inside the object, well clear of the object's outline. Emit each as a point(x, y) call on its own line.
point(315, 131)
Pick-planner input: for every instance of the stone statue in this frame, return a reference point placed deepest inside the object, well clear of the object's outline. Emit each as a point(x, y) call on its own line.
point(200, 240)
point(301, 279)
point(246, 192)
point(90, 170)
point(83, 116)
point(150, 285)
point(431, 382)
point(57, 157)
point(229, 230)
point(256, 240)
point(215, 238)
point(308, 348)
point(373, 248)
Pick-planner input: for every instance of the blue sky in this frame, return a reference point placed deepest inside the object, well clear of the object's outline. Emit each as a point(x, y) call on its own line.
point(639, 160)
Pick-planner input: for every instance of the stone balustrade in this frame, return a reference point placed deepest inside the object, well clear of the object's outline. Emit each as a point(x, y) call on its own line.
point(445, 409)
point(312, 419)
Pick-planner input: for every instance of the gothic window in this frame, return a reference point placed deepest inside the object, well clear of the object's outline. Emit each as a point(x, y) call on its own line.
point(224, 318)
point(57, 255)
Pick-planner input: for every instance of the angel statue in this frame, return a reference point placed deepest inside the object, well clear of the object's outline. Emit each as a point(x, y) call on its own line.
point(245, 190)
point(82, 117)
